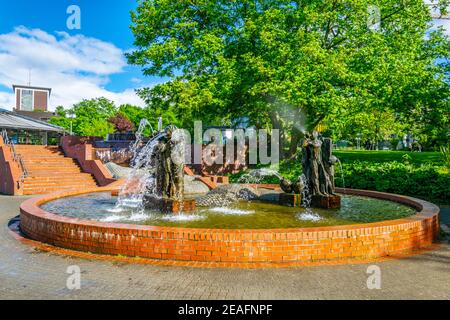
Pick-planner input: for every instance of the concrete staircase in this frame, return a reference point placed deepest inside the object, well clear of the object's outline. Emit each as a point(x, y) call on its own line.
point(50, 171)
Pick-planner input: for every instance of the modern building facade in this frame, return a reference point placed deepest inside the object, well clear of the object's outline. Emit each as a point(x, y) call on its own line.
point(21, 129)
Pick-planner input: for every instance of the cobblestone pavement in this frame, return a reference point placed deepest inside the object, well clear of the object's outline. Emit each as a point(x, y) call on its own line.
point(28, 274)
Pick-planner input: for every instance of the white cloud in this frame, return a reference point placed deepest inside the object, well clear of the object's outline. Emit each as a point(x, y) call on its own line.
point(75, 67)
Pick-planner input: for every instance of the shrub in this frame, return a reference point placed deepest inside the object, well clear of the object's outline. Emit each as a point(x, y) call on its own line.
point(121, 123)
point(425, 181)
point(445, 152)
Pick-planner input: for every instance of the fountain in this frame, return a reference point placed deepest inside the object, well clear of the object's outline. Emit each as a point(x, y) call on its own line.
point(155, 215)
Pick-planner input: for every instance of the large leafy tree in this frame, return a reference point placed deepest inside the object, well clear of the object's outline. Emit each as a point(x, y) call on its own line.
point(88, 117)
point(289, 64)
point(135, 114)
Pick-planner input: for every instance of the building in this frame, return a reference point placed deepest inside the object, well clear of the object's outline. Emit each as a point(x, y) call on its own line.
point(21, 129)
point(33, 102)
point(30, 98)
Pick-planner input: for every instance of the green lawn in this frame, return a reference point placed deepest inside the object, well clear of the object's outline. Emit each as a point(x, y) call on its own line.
point(347, 156)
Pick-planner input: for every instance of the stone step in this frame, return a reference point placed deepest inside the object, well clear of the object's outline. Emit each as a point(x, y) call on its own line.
point(58, 185)
point(53, 166)
point(54, 173)
point(41, 155)
point(33, 191)
point(83, 178)
point(78, 175)
point(48, 159)
point(37, 152)
point(50, 171)
point(35, 147)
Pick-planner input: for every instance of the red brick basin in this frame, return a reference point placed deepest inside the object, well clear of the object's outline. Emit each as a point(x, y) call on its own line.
point(246, 247)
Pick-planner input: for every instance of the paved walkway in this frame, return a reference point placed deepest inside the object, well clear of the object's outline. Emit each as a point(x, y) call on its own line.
point(28, 274)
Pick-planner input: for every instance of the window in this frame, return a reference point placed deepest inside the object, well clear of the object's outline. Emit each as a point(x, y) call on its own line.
point(26, 100)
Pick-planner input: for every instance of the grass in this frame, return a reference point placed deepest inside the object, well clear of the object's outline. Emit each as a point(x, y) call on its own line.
point(417, 158)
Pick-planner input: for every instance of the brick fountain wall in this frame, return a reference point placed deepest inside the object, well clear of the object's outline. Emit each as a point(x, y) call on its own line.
point(222, 247)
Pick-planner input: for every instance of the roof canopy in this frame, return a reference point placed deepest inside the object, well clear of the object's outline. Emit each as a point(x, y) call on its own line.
point(31, 88)
point(10, 120)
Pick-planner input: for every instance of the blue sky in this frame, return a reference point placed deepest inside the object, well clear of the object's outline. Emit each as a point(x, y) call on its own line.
point(27, 26)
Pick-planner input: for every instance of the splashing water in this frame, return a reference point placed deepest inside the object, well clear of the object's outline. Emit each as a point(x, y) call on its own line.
point(141, 180)
point(183, 217)
point(231, 211)
point(342, 173)
point(306, 195)
point(309, 216)
point(258, 175)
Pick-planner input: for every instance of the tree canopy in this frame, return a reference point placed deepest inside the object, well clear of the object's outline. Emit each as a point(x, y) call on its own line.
point(100, 116)
point(290, 65)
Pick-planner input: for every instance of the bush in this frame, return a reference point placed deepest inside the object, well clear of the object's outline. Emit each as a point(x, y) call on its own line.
point(426, 181)
point(445, 152)
point(121, 123)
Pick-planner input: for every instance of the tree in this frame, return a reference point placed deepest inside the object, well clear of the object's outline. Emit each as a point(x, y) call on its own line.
point(373, 127)
point(121, 123)
point(287, 64)
point(60, 111)
point(135, 114)
point(90, 117)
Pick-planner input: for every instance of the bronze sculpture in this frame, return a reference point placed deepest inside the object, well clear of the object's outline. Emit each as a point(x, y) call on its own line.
point(169, 173)
point(318, 173)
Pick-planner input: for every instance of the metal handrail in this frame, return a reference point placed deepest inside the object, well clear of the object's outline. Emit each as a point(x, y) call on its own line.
point(17, 158)
point(5, 136)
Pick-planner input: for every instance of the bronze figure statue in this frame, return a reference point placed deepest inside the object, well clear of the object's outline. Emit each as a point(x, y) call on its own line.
point(296, 187)
point(318, 172)
point(318, 165)
point(169, 173)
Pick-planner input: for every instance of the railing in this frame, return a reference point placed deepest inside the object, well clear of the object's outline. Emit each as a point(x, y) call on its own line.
point(5, 136)
point(17, 158)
